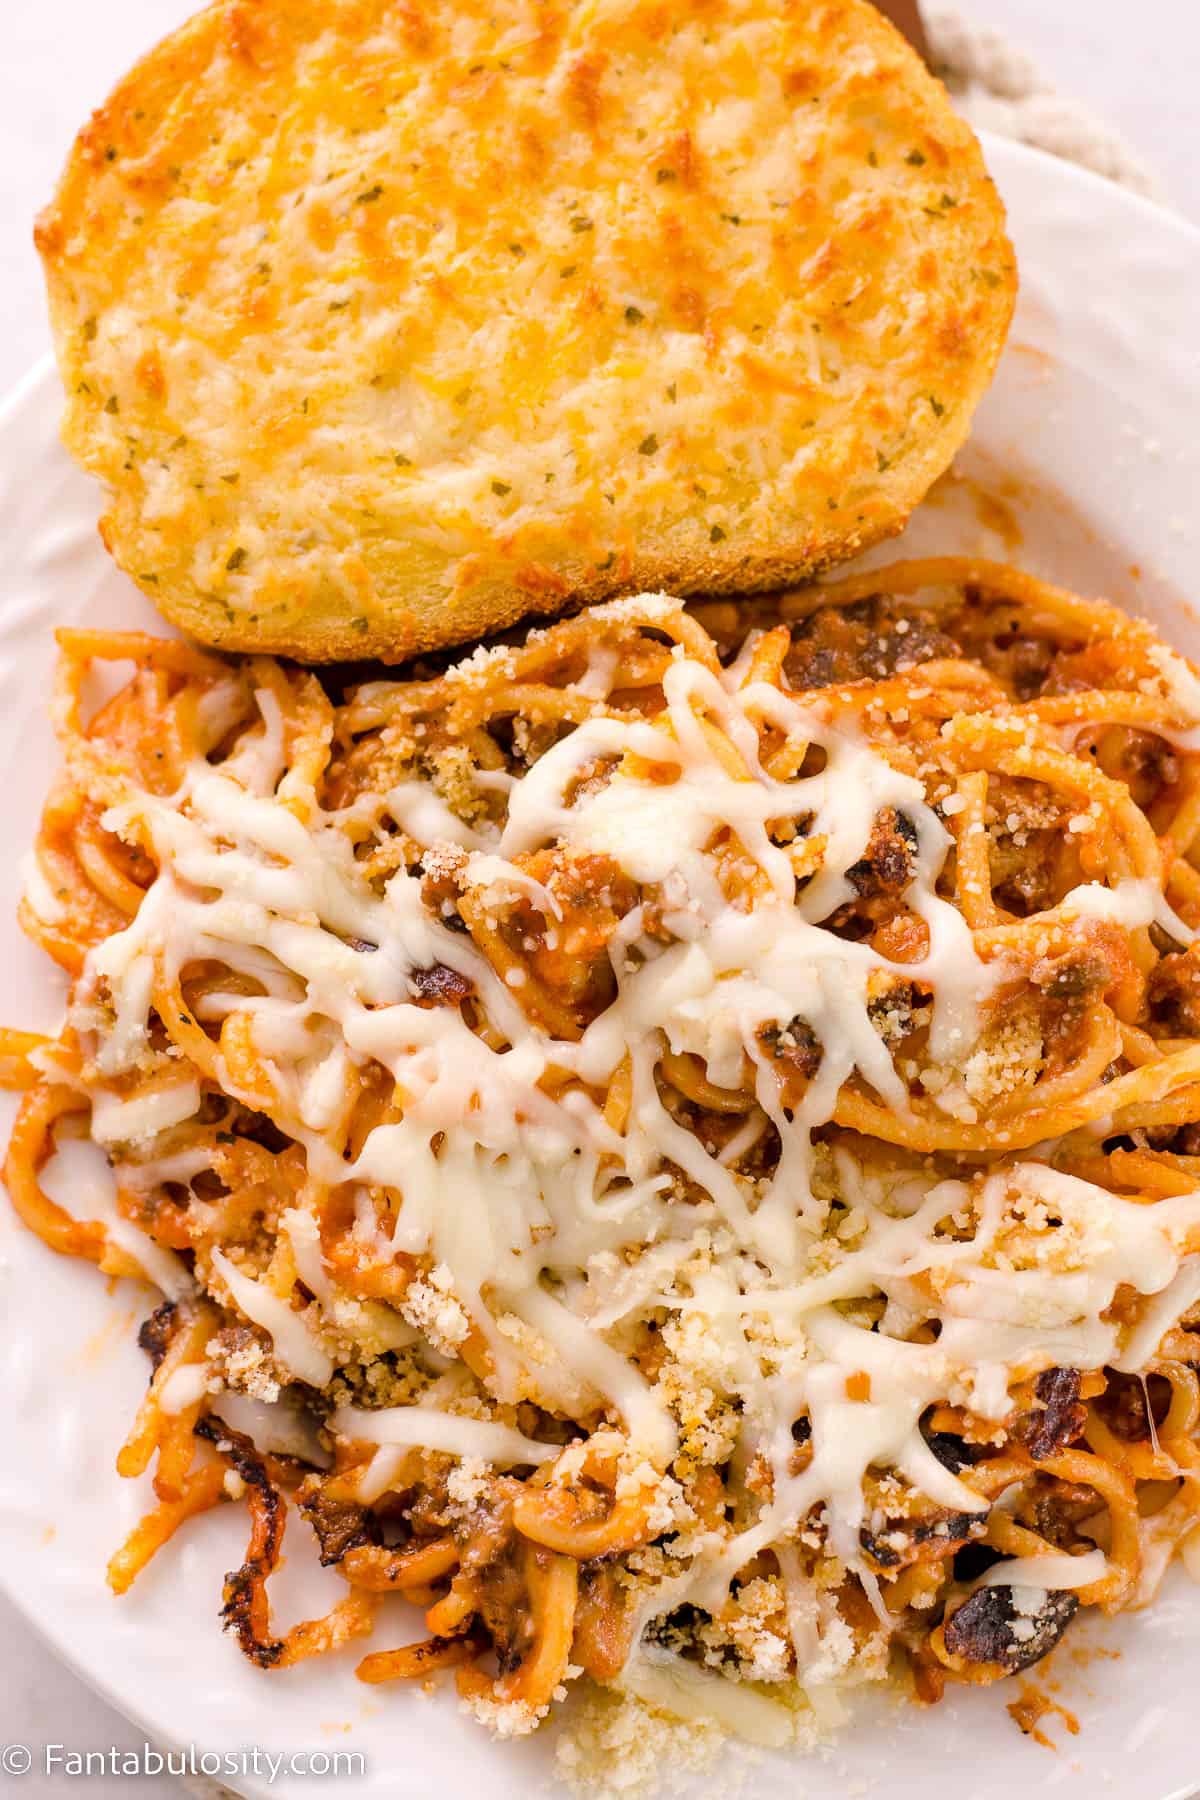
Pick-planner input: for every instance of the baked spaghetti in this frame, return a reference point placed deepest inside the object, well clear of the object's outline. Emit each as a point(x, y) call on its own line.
point(674, 1142)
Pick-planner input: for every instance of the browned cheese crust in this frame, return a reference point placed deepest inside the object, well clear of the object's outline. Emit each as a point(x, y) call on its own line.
point(384, 322)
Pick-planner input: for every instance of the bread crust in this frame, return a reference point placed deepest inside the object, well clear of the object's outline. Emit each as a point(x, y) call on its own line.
point(385, 322)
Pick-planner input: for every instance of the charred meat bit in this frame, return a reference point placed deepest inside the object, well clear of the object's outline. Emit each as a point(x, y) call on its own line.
point(954, 1453)
point(863, 642)
point(1026, 876)
point(887, 864)
point(1058, 1511)
point(1028, 662)
point(1184, 1140)
point(1072, 976)
point(1057, 1419)
point(987, 1628)
point(974, 1560)
point(491, 1558)
point(795, 1051)
point(157, 1331)
point(795, 1044)
point(439, 986)
point(568, 951)
point(1142, 760)
point(1134, 1406)
point(1174, 993)
point(894, 1012)
point(902, 1540)
point(339, 1524)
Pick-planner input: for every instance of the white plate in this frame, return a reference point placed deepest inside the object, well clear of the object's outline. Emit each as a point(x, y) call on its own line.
point(1090, 439)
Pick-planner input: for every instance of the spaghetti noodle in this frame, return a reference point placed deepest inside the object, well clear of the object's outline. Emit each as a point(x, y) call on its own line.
point(674, 1143)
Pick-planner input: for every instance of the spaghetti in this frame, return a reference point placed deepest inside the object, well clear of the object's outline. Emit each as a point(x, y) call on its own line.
point(674, 1143)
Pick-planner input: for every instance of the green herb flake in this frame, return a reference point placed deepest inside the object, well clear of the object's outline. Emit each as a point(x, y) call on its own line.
point(112, 404)
point(648, 445)
point(501, 488)
point(232, 480)
point(402, 461)
point(609, 560)
point(882, 462)
point(916, 159)
point(517, 249)
point(732, 218)
point(634, 315)
point(872, 159)
point(947, 201)
point(671, 391)
point(566, 274)
point(938, 408)
point(359, 625)
point(339, 305)
point(716, 534)
point(579, 223)
point(89, 331)
point(369, 194)
point(235, 561)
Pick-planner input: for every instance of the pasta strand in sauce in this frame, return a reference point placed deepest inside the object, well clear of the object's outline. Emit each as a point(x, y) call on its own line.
point(673, 1143)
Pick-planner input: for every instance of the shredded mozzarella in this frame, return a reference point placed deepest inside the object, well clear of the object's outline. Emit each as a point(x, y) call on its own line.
point(552, 1230)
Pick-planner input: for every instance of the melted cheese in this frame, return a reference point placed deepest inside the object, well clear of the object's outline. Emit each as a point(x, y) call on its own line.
point(554, 1233)
point(1048, 1572)
point(423, 1428)
point(184, 1387)
point(296, 1348)
point(78, 1179)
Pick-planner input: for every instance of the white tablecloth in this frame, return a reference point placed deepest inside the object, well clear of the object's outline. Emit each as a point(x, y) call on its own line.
point(1135, 66)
